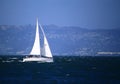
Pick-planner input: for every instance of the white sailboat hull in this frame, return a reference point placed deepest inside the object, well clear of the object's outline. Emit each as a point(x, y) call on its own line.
point(37, 59)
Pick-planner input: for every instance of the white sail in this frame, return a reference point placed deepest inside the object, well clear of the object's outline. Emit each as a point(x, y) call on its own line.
point(46, 49)
point(36, 47)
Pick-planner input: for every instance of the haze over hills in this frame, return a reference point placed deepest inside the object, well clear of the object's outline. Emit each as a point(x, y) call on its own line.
point(17, 40)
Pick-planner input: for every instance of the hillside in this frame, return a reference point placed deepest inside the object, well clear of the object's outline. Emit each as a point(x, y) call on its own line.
point(63, 40)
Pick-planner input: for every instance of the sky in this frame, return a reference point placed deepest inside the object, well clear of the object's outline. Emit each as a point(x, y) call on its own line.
point(91, 14)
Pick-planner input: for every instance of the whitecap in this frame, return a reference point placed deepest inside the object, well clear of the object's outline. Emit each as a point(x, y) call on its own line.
point(8, 61)
point(13, 58)
point(20, 61)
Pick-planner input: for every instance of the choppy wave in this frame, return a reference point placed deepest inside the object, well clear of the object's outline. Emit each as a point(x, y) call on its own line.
point(14, 58)
point(8, 61)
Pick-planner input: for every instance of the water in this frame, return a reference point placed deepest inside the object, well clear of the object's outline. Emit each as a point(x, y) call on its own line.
point(65, 70)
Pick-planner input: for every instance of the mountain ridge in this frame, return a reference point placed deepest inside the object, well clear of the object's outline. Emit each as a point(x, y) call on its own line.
point(67, 40)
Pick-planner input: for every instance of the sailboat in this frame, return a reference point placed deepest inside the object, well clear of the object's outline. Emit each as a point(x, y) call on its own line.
point(37, 53)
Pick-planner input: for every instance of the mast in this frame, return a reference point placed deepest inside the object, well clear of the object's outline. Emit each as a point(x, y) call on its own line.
point(36, 47)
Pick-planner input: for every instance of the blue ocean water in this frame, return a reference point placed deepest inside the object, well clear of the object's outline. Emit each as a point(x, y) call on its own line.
point(64, 70)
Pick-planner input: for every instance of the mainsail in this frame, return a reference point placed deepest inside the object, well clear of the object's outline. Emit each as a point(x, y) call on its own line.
point(36, 47)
